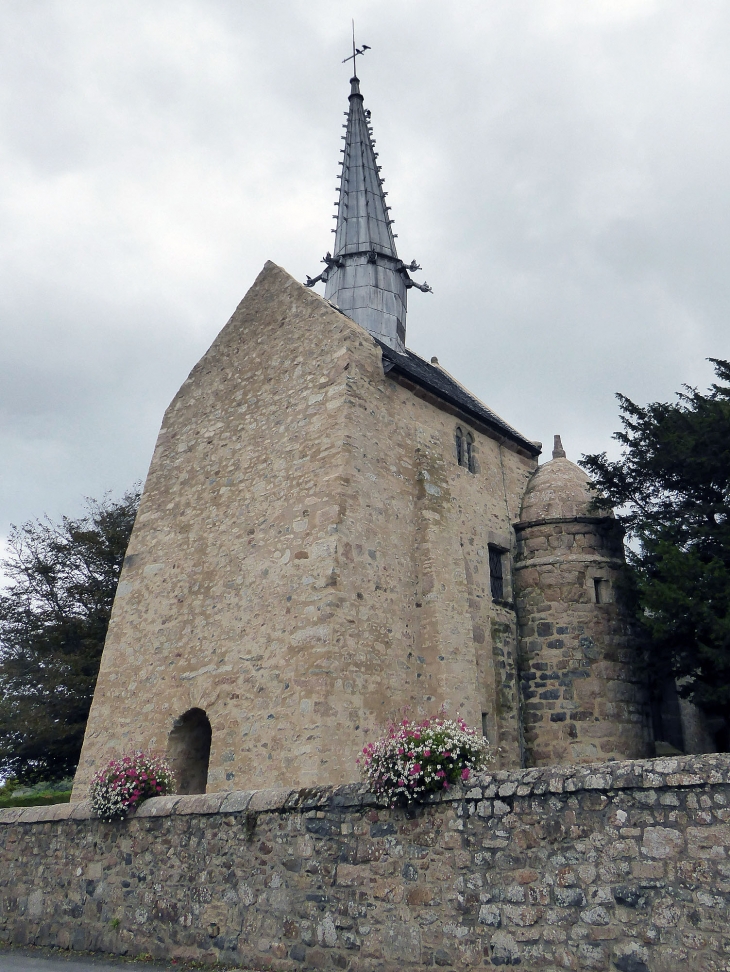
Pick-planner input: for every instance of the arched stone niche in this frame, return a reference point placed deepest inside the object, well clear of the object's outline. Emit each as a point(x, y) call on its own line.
point(188, 750)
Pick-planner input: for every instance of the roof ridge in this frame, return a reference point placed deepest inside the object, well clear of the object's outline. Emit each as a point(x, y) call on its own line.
point(438, 381)
point(466, 390)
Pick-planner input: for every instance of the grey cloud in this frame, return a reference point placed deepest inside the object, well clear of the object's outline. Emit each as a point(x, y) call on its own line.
point(559, 169)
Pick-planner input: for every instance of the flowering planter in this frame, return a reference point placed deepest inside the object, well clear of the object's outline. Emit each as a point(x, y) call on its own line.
point(418, 758)
point(124, 783)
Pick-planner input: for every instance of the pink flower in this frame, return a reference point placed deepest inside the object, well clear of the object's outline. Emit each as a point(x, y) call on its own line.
point(415, 769)
point(400, 750)
point(426, 752)
point(440, 773)
point(465, 773)
point(446, 754)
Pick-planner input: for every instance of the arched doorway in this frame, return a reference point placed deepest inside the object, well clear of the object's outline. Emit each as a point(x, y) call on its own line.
point(188, 750)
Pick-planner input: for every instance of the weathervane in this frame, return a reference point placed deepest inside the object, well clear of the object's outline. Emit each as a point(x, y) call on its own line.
point(355, 52)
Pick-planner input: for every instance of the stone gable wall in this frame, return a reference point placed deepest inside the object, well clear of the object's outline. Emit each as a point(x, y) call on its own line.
point(622, 865)
point(308, 559)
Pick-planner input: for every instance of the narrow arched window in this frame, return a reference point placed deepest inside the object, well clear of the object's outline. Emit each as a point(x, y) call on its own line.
point(465, 449)
point(469, 450)
point(188, 749)
point(460, 450)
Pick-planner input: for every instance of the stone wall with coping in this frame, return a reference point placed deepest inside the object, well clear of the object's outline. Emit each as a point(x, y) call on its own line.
point(622, 865)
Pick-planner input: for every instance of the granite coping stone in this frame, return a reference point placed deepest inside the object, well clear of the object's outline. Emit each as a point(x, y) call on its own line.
point(81, 811)
point(236, 801)
point(163, 806)
point(273, 798)
point(664, 772)
point(56, 811)
point(37, 814)
point(198, 803)
point(11, 814)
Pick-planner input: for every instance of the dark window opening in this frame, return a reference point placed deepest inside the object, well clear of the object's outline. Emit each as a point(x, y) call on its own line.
point(469, 444)
point(465, 449)
point(188, 750)
point(600, 586)
point(496, 572)
point(484, 724)
point(459, 446)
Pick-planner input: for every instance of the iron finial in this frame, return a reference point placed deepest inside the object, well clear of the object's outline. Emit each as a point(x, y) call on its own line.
point(355, 52)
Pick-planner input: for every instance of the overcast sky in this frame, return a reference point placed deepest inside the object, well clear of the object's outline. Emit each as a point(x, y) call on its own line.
point(560, 168)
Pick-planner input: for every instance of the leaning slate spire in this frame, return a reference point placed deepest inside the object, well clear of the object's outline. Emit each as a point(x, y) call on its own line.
point(364, 276)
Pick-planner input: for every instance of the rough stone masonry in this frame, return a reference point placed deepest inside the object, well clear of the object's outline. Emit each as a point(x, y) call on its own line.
point(308, 559)
point(622, 865)
point(311, 556)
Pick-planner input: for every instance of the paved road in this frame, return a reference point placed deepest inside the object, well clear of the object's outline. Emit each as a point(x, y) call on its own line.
point(20, 961)
point(53, 960)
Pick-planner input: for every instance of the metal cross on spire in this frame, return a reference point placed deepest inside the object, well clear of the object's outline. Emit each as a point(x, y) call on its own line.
point(355, 52)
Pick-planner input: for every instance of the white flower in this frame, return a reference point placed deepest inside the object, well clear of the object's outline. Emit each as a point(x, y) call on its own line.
point(124, 783)
point(418, 757)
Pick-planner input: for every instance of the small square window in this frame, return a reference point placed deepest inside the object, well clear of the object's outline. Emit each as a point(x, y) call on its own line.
point(601, 590)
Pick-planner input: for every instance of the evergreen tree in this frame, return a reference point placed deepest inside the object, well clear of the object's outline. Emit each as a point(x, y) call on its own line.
point(54, 613)
point(672, 490)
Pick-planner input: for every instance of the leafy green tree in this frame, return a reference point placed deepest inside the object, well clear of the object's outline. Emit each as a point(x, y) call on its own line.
point(671, 487)
point(54, 612)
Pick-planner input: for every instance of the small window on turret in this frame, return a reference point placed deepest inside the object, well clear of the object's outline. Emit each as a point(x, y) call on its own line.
point(496, 572)
point(602, 590)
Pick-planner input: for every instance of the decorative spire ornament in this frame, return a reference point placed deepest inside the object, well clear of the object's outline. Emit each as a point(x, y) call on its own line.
point(558, 450)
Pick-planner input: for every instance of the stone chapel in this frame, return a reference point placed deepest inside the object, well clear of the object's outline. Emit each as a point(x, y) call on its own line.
point(334, 530)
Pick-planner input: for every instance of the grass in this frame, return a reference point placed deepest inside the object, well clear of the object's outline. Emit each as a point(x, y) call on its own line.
point(36, 799)
point(40, 795)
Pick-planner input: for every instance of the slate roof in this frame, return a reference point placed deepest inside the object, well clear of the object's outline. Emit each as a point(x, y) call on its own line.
point(439, 383)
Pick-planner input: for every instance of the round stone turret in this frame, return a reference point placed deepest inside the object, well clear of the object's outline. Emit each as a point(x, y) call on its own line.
point(583, 689)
